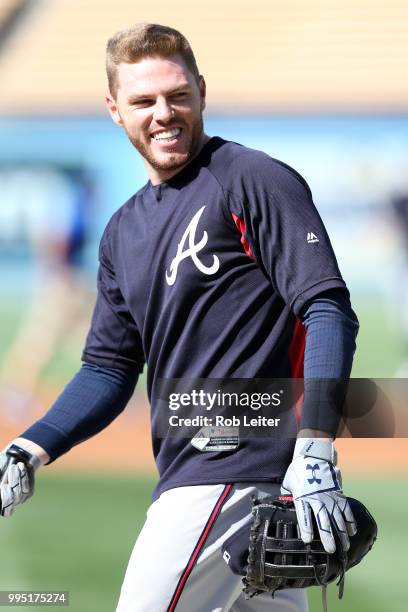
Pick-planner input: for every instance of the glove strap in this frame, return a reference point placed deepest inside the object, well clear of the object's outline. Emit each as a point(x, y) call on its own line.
point(21, 454)
point(319, 449)
point(324, 597)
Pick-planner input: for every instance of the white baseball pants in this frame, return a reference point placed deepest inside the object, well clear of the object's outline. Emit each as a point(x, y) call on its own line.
point(177, 564)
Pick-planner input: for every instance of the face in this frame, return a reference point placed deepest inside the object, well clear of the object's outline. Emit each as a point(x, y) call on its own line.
point(160, 104)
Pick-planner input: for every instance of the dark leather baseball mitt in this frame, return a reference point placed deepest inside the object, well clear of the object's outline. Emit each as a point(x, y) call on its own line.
point(277, 558)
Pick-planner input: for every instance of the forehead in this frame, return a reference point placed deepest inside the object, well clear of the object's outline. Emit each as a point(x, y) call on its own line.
point(153, 75)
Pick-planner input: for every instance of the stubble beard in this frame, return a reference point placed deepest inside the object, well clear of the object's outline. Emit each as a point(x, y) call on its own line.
point(177, 160)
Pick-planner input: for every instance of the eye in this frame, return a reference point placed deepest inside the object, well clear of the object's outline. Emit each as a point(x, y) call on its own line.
point(145, 102)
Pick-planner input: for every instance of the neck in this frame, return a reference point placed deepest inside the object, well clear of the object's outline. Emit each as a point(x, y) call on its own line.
point(156, 176)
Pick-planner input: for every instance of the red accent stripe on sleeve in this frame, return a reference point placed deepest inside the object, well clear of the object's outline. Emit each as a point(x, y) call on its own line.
point(240, 223)
point(198, 547)
point(296, 357)
point(297, 350)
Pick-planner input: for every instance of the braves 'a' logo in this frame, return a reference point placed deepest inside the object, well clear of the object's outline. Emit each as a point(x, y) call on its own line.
point(313, 468)
point(191, 251)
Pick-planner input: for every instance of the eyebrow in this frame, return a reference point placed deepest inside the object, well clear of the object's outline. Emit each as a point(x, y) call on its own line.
point(139, 97)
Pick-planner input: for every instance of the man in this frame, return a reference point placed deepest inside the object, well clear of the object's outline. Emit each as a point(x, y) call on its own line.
point(58, 310)
point(214, 269)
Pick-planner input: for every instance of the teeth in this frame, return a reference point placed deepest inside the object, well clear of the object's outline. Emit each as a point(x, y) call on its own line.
point(169, 135)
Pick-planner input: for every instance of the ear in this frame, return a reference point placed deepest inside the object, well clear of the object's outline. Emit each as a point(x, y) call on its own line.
point(112, 107)
point(203, 91)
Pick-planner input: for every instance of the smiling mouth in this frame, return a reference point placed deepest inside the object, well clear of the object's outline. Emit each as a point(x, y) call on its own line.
point(167, 135)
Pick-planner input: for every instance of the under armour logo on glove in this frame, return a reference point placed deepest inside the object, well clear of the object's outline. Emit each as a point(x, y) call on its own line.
point(321, 495)
point(191, 251)
point(314, 478)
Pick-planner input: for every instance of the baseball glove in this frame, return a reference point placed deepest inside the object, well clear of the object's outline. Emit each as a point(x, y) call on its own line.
point(278, 558)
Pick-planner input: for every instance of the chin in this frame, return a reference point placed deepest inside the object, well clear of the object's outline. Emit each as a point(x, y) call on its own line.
point(171, 160)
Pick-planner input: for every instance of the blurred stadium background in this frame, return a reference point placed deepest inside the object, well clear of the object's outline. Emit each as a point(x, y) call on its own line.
point(319, 84)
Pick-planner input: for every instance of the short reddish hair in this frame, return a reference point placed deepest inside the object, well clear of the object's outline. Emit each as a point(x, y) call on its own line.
point(144, 40)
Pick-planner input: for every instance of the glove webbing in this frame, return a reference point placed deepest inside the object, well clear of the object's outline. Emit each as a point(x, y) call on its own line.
point(343, 560)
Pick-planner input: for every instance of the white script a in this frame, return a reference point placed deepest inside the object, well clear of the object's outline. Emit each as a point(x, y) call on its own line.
point(192, 251)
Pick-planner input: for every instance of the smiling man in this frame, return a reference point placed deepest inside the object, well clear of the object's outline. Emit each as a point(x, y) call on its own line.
point(219, 267)
point(159, 100)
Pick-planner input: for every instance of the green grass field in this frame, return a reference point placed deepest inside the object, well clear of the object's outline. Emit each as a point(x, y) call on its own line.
point(77, 533)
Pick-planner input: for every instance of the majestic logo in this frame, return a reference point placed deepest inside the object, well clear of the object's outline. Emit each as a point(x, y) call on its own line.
point(313, 468)
point(312, 238)
point(191, 251)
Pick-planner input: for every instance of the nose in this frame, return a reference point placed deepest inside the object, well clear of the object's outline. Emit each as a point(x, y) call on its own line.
point(163, 111)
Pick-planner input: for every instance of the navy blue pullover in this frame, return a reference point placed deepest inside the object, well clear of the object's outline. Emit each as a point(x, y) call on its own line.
point(207, 275)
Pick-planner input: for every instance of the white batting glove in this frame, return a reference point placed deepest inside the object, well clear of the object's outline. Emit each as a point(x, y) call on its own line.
point(314, 482)
point(17, 469)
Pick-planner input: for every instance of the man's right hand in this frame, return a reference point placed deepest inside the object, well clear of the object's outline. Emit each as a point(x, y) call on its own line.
point(17, 469)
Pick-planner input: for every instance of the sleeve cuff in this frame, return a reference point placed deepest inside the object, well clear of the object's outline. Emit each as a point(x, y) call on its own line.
point(306, 295)
point(50, 438)
point(126, 365)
